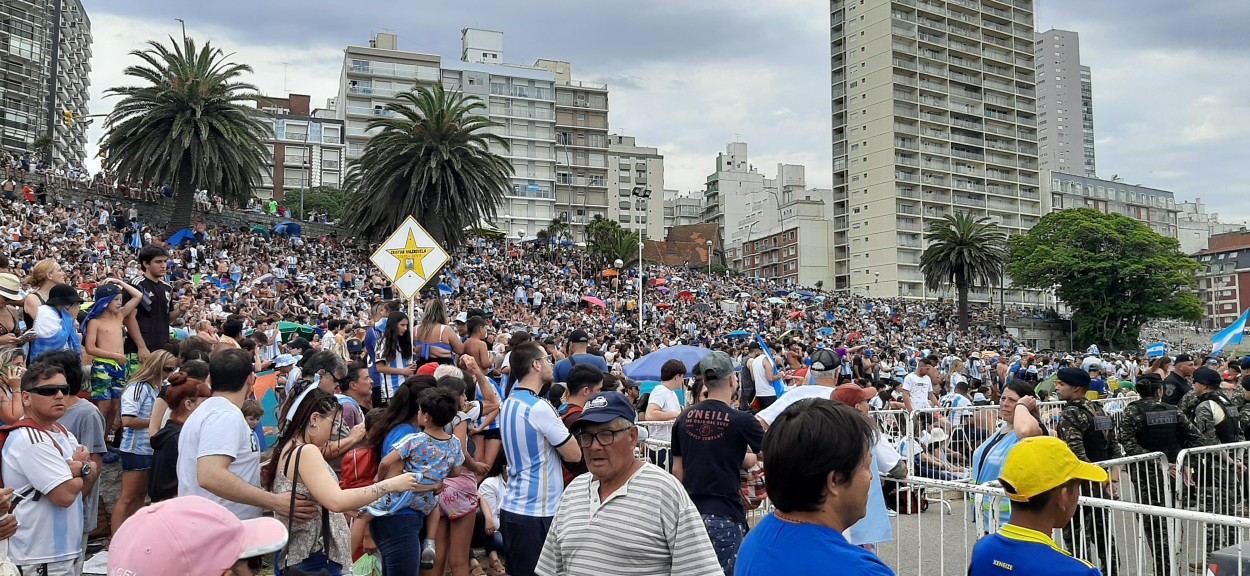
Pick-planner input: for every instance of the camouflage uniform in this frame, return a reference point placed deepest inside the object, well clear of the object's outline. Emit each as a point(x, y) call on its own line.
point(1217, 478)
point(1238, 398)
point(1187, 404)
point(1150, 425)
point(1089, 432)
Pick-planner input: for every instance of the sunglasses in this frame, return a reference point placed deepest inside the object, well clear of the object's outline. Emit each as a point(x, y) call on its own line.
point(49, 391)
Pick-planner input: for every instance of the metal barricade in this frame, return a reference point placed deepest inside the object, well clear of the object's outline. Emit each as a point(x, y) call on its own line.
point(927, 543)
point(1213, 480)
point(939, 442)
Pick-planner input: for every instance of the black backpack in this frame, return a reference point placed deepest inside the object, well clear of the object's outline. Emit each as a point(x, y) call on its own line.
point(746, 387)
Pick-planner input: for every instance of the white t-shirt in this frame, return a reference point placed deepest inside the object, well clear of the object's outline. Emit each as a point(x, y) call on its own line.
point(48, 533)
point(492, 490)
point(217, 428)
point(801, 393)
point(919, 387)
point(667, 401)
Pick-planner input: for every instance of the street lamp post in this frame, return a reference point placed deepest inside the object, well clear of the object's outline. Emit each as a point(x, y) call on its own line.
point(709, 257)
point(520, 235)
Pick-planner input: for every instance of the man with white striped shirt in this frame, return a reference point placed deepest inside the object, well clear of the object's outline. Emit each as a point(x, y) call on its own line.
point(534, 441)
point(626, 517)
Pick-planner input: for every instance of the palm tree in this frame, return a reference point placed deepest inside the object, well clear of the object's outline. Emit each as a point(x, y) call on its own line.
point(43, 143)
point(186, 125)
point(430, 159)
point(964, 250)
point(558, 229)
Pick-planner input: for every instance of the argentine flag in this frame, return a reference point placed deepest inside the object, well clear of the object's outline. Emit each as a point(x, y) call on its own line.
point(1231, 335)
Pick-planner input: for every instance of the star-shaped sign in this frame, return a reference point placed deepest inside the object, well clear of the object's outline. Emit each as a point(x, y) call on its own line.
point(409, 257)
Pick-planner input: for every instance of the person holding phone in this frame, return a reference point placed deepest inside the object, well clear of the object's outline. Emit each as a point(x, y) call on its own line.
point(13, 329)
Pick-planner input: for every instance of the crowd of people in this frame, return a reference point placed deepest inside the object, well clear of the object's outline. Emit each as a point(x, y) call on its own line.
point(499, 414)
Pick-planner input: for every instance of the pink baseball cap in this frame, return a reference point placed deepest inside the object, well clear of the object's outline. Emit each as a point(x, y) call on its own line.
point(190, 536)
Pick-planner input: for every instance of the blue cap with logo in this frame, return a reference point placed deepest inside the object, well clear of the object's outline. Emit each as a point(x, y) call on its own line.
point(605, 407)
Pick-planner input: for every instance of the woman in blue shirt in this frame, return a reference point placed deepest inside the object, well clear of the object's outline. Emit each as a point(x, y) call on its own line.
point(1020, 420)
point(818, 480)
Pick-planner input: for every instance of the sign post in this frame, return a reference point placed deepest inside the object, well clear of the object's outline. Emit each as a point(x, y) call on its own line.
point(410, 258)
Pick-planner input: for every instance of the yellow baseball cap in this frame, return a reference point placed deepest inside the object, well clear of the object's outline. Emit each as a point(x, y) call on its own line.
point(1042, 463)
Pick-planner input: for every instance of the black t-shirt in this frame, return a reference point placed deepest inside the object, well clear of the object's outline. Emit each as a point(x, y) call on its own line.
point(152, 315)
point(712, 439)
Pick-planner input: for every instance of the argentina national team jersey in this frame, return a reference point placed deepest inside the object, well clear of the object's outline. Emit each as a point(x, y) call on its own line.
point(32, 461)
point(531, 432)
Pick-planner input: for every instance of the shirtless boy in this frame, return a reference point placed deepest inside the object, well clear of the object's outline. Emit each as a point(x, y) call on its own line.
point(104, 342)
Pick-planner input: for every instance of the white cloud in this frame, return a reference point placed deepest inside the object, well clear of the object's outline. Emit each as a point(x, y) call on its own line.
point(275, 68)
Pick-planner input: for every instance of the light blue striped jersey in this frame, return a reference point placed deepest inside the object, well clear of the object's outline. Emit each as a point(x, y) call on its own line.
point(137, 401)
point(531, 432)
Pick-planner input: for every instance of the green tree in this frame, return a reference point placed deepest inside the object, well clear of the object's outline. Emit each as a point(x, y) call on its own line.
point(431, 160)
point(186, 124)
point(1114, 272)
point(558, 229)
point(963, 250)
point(324, 200)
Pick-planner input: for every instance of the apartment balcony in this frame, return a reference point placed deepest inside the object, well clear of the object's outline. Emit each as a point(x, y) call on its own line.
point(906, 161)
point(906, 177)
point(968, 201)
point(931, 117)
point(907, 143)
point(906, 111)
point(906, 128)
point(906, 64)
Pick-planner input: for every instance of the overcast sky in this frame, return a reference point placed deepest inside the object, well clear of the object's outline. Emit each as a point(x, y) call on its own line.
point(1171, 79)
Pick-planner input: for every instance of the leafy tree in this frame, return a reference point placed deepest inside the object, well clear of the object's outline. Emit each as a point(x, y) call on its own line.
point(558, 229)
point(963, 250)
point(1115, 272)
point(186, 125)
point(431, 160)
point(324, 200)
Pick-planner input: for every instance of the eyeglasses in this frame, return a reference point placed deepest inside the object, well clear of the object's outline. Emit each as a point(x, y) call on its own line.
point(605, 437)
point(49, 391)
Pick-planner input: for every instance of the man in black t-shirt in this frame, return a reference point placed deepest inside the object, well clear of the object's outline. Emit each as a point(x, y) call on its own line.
point(148, 325)
point(709, 450)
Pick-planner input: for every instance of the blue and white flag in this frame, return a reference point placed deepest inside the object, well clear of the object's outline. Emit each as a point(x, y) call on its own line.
point(1157, 350)
point(776, 379)
point(1231, 335)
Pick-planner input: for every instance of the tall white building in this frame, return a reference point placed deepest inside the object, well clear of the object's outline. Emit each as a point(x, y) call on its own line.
point(934, 112)
point(556, 128)
point(636, 178)
point(1065, 104)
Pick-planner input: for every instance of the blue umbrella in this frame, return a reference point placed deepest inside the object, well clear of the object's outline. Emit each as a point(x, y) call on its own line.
point(782, 293)
point(288, 228)
point(648, 367)
point(825, 331)
point(182, 236)
point(805, 293)
point(738, 334)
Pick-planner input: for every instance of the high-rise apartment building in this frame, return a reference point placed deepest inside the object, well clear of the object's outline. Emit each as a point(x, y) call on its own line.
point(1065, 104)
point(372, 75)
point(46, 49)
point(556, 127)
point(523, 100)
point(306, 150)
point(582, 191)
point(636, 181)
point(934, 112)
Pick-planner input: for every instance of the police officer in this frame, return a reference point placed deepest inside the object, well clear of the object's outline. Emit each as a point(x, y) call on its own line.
point(1219, 422)
point(1177, 383)
point(1150, 425)
point(1087, 429)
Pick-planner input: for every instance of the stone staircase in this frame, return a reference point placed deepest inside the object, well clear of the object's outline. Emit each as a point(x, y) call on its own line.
point(160, 212)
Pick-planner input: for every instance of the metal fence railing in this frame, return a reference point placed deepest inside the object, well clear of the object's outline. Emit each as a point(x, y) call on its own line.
point(1120, 537)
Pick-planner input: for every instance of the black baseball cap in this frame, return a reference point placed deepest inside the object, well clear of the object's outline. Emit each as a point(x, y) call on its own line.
point(579, 337)
point(824, 360)
point(1183, 358)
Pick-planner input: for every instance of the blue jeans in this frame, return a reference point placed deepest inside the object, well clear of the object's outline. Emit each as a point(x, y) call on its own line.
point(726, 536)
point(317, 563)
point(399, 542)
